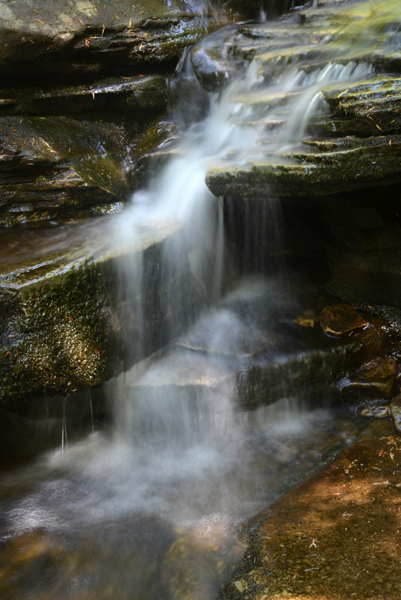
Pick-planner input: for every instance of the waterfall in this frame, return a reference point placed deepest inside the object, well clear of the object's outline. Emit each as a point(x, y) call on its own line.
point(137, 511)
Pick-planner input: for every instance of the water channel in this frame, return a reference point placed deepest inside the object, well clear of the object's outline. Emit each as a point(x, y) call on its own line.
point(152, 505)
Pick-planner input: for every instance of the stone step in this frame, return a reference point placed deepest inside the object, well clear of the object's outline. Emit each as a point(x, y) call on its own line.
point(310, 173)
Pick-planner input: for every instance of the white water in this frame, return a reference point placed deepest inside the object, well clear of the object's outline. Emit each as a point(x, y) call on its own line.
point(181, 462)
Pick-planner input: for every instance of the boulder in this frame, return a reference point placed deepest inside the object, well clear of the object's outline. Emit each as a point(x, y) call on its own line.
point(341, 320)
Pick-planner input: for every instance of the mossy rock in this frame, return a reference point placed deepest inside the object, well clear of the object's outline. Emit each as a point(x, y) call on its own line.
point(68, 323)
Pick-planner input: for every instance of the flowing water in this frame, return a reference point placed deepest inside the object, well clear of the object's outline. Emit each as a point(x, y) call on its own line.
point(151, 508)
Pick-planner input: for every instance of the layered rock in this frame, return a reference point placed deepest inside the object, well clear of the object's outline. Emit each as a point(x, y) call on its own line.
point(80, 37)
point(330, 154)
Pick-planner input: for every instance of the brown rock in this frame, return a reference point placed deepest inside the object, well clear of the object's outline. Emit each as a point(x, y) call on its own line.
point(341, 319)
point(335, 535)
point(375, 380)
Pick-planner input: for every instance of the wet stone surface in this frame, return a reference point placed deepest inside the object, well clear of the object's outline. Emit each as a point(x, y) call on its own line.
point(335, 536)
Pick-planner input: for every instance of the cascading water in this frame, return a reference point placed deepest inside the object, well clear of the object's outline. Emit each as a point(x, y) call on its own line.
point(150, 510)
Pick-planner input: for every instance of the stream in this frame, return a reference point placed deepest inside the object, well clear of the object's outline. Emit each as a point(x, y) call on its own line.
point(152, 506)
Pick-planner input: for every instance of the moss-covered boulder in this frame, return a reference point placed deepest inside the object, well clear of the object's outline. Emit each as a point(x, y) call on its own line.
point(70, 322)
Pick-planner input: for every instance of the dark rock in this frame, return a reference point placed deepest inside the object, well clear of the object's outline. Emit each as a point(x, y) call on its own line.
point(123, 94)
point(375, 380)
point(341, 320)
point(311, 374)
point(58, 166)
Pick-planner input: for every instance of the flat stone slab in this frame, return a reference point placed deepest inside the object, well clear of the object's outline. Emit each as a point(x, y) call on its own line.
point(333, 536)
point(308, 173)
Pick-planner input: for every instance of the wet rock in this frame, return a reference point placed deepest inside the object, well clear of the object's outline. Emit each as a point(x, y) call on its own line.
point(395, 412)
point(309, 373)
point(369, 108)
point(211, 63)
point(67, 323)
point(341, 320)
point(377, 379)
point(153, 148)
point(301, 545)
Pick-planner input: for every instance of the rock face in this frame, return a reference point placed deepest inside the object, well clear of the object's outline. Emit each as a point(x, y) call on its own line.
point(68, 323)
